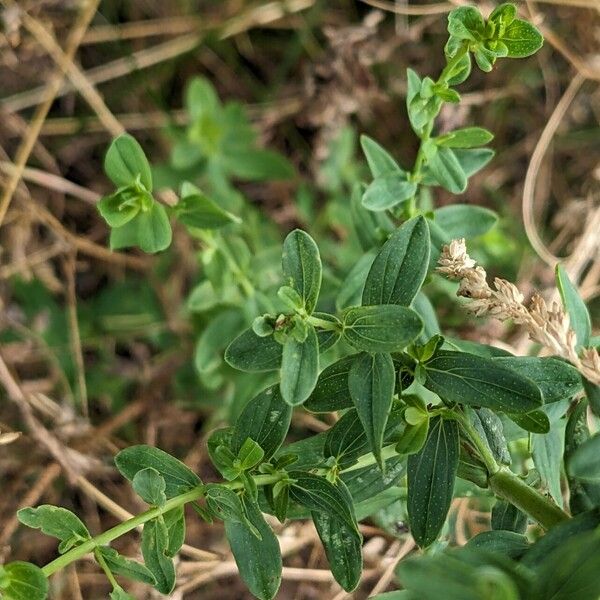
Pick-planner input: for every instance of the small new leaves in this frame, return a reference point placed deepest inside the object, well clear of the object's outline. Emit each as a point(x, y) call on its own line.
point(57, 522)
point(125, 162)
point(301, 264)
point(22, 581)
point(135, 217)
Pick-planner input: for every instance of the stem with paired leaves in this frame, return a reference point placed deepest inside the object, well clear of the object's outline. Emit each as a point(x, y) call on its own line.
point(503, 482)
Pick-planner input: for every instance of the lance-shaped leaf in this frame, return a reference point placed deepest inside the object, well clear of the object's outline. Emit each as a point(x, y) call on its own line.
point(178, 478)
point(155, 544)
point(489, 426)
point(301, 264)
point(266, 420)
point(477, 381)
point(579, 317)
point(431, 474)
point(399, 269)
point(342, 544)
point(258, 558)
point(125, 567)
point(22, 581)
point(175, 524)
point(383, 328)
point(388, 191)
point(228, 506)
point(299, 368)
point(547, 457)
point(557, 379)
point(346, 440)
point(198, 210)
point(535, 421)
point(57, 522)
point(318, 494)
point(332, 392)
point(371, 381)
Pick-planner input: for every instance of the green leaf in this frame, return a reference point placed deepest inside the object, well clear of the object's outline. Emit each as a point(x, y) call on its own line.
point(575, 307)
point(175, 524)
point(154, 229)
point(125, 567)
point(477, 381)
point(301, 264)
point(149, 485)
point(125, 162)
point(535, 421)
point(155, 543)
point(346, 440)
point(584, 463)
point(265, 419)
point(570, 571)
point(258, 558)
point(387, 191)
point(118, 209)
point(252, 353)
point(507, 517)
point(119, 593)
point(299, 368)
point(178, 478)
point(489, 426)
point(250, 454)
point(557, 379)
point(473, 160)
point(380, 161)
point(505, 543)
point(228, 506)
point(431, 475)
point(463, 220)
point(201, 98)
point(468, 137)
point(547, 457)
point(412, 438)
point(342, 544)
point(22, 581)
point(447, 170)
point(198, 210)
point(371, 382)
point(583, 495)
point(466, 23)
point(383, 328)
point(57, 522)
point(351, 290)
point(399, 269)
point(318, 494)
point(331, 392)
point(522, 39)
point(254, 164)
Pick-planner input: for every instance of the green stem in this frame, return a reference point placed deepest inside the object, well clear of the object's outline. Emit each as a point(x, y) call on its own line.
point(511, 487)
point(506, 484)
point(107, 571)
point(324, 324)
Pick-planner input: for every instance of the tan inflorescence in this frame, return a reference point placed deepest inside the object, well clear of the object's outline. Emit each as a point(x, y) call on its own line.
point(547, 325)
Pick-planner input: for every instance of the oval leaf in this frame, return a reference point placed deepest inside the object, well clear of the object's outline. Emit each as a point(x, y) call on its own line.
point(125, 161)
point(299, 368)
point(383, 328)
point(399, 269)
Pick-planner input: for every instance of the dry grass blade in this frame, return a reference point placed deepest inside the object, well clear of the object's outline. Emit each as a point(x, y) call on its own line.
point(49, 94)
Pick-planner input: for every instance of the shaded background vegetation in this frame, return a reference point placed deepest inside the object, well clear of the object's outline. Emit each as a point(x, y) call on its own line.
point(98, 349)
